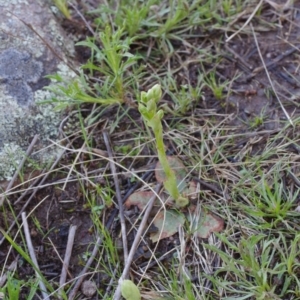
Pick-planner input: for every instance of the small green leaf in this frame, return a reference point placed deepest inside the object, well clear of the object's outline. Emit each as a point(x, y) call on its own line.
point(160, 114)
point(130, 291)
point(167, 224)
point(154, 93)
point(144, 98)
point(62, 6)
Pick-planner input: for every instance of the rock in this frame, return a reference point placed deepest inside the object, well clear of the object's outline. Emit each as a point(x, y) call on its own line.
point(32, 45)
point(88, 288)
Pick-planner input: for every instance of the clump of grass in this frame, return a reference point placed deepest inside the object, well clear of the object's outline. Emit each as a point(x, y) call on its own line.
point(216, 86)
point(11, 289)
point(113, 61)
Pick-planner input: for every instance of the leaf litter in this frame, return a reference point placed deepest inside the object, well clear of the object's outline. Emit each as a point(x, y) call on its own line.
point(170, 220)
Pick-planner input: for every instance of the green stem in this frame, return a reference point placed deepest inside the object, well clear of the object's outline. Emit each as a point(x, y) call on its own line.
point(170, 183)
point(152, 117)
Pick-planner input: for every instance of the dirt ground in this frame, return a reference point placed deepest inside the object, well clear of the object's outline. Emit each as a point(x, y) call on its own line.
point(250, 109)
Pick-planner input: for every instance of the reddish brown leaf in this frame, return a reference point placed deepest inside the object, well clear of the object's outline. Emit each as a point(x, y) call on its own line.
point(140, 199)
point(208, 223)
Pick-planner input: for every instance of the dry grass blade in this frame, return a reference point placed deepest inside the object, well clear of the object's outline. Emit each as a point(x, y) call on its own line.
point(118, 194)
point(247, 22)
point(79, 279)
point(35, 190)
point(68, 254)
point(32, 255)
point(269, 78)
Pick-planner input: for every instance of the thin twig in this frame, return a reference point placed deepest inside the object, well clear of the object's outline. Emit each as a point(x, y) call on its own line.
point(146, 265)
point(275, 61)
point(268, 75)
point(21, 164)
point(294, 178)
point(33, 257)
point(19, 214)
point(239, 58)
point(136, 241)
point(30, 188)
point(67, 258)
point(83, 19)
point(118, 195)
point(84, 272)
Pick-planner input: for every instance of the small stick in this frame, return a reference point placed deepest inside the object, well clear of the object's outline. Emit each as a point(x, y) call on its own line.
point(110, 284)
point(30, 188)
point(118, 194)
point(33, 257)
point(136, 241)
point(145, 177)
point(83, 19)
point(247, 22)
point(146, 265)
point(269, 78)
point(238, 57)
point(67, 258)
point(294, 178)
point(21, 164)
point(275, 61)
point(18, 216)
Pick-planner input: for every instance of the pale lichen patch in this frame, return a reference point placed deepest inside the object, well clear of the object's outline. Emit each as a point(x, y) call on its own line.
point(10, 157)
point(17, 69)
point(25, 38)
point(7, 3)
point(60, 40)
point(25, 58)
point(18, 125)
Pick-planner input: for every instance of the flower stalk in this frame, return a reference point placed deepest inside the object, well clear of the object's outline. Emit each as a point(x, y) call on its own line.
point(153, 119)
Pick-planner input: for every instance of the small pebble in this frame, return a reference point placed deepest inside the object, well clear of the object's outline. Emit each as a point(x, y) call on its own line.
point(88, 288)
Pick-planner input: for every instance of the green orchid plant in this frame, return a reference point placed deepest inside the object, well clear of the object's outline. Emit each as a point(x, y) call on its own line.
point(152, 118)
